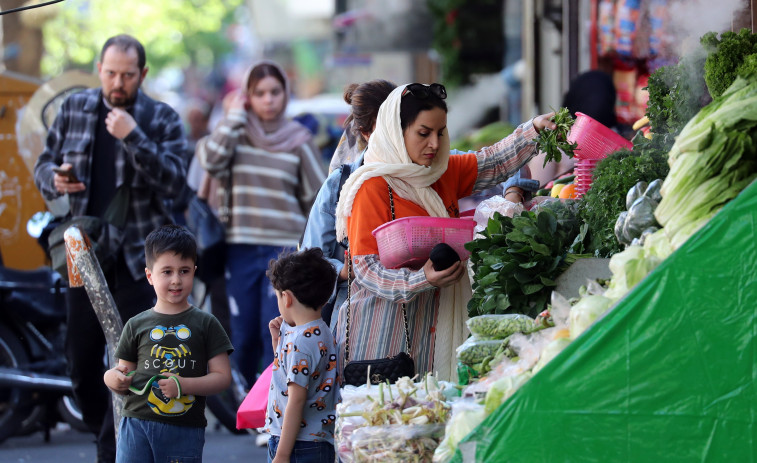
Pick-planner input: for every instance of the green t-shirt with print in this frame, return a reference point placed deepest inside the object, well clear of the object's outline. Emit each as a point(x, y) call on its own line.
point(182, 344)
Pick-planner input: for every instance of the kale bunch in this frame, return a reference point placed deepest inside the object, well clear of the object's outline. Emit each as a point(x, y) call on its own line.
point(730, 56)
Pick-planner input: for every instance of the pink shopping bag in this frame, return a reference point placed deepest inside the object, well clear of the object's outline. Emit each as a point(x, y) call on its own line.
point(251, 413)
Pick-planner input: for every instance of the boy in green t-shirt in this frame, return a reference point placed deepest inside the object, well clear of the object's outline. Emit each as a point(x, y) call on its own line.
point(169, 358)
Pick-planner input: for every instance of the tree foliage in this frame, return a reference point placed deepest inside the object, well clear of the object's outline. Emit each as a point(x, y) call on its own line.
point(174, 33)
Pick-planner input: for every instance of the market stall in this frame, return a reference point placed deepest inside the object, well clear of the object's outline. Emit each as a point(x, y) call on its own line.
point(667, 375)
point(653, 363)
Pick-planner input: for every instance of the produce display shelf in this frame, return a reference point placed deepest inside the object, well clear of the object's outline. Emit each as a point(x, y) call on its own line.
point(667, 375)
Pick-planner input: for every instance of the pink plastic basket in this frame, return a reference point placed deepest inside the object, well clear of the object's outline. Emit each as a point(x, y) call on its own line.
point(407, 242)
point(595, 141)
point(584, 171)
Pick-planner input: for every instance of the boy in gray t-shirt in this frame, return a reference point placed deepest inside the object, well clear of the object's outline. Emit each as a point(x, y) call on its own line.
point(302, 400)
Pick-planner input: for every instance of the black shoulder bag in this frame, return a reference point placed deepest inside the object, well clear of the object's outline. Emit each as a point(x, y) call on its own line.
point(377, 371)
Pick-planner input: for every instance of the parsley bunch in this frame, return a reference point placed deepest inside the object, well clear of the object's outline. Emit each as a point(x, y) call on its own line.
point(554, 143)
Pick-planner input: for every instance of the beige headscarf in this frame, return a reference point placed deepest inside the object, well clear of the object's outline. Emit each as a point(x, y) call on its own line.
point(280, 135)
point(387, 157)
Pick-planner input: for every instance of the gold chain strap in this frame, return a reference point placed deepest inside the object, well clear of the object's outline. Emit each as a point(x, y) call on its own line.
point(349, 290)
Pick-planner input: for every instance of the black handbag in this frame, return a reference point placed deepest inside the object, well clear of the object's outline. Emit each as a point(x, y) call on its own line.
point(210, 234)
point(376, 371)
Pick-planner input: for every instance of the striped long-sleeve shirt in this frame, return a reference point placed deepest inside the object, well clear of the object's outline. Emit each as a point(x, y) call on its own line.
point(376, 322)
point(271, 192)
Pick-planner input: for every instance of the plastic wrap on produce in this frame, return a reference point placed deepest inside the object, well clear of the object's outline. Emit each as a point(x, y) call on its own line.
point(464, 417)
point(486, 209)
point(400, 444)
point(372, 420)
point(667, 375)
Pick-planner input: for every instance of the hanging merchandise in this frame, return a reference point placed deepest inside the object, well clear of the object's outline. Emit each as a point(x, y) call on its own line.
point(626, 26)
point(659, 38)
point(606, 12)
point(624, 78)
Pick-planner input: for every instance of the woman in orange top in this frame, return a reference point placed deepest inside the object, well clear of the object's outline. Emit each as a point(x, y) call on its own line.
point(409, 155)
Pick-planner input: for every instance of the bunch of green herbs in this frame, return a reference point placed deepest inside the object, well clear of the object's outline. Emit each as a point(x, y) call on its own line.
point(676, 94)
point(554, 143)
point(516, 262)
point(731, 55)
point(606, 199)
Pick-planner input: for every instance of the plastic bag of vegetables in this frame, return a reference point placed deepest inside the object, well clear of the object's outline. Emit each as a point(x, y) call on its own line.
point(503, 388)
point(639, 221)
point(466, 415)
point(475, 352)
point(395, 443)
point(585, 312)
point(500, 326)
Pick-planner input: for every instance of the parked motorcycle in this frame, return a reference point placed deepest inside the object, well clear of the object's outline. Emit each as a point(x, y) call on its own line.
point(35, 393)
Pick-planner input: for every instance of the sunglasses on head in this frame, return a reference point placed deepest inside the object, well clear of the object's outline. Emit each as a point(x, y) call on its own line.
point(423, 91)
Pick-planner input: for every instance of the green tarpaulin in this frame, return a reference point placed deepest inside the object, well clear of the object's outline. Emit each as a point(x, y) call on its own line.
point(667, 376)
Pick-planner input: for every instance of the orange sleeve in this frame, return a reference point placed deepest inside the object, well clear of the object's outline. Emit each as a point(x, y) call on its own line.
point(371, 206)
point(369, 210)
point(463, 167)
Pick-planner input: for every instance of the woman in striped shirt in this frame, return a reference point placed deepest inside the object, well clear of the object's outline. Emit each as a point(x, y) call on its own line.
point(409, 155)
point(276, 172)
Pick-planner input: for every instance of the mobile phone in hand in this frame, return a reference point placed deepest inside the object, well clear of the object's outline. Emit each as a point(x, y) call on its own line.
point(67, 173)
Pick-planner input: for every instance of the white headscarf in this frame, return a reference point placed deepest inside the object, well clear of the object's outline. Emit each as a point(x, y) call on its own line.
point(387, 157)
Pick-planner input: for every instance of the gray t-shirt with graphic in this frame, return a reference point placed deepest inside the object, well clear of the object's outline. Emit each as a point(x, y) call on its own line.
point(306, 356)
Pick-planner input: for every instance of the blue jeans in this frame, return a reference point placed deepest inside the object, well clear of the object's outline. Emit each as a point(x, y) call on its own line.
point(304, 451)
point(252, 304)
point(144, 441)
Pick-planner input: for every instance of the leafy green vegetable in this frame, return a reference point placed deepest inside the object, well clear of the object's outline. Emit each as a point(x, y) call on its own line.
point(516, 262)
point(606, 198)
point(676, 94)
point(554, 143)
point(725, 58)
point(714, 158)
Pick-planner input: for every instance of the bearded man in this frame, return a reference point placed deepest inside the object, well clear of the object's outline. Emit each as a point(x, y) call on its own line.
point(108, 146)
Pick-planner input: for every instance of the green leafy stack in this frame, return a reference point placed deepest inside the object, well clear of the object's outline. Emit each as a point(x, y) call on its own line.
point(518, 259)
point(554, 143)
point(713, 159)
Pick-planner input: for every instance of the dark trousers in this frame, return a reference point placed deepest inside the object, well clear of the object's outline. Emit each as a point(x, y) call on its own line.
point(253, 304)
point(86, 353)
